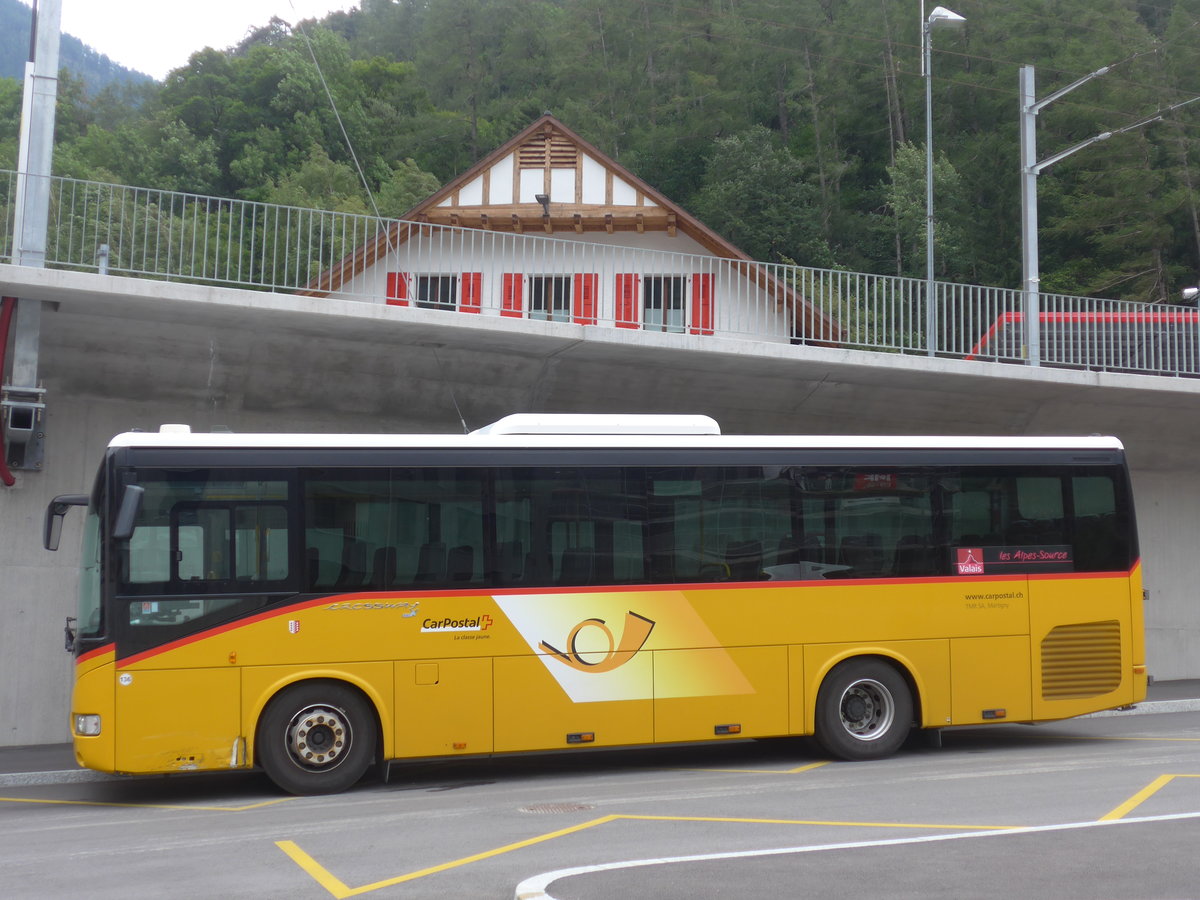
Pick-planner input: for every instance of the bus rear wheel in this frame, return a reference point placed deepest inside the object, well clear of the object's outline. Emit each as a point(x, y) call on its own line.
point(864, 710)
point(316, 738)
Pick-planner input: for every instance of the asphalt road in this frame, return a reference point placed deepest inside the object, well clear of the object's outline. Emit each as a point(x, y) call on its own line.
point(1104, 807)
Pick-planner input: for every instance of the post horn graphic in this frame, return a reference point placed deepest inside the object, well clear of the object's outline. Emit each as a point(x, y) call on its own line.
point(637, 629)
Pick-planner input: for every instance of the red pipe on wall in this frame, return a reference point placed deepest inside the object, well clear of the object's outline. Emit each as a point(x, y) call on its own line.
point(6, 314)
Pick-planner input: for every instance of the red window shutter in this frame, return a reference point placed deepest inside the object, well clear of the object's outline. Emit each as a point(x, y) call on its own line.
point(511, 285)
point(472, 292)
point(584, 299)
point(702, 304)
point(397, 288)
point(627, 301)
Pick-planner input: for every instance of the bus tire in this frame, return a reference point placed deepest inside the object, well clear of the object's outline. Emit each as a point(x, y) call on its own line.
point(864, 710)
point(316, 737)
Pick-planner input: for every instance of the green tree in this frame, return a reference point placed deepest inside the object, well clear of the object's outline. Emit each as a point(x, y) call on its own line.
point(406, 187)
point(906, 198)
point(762, 198)
point(320, 183)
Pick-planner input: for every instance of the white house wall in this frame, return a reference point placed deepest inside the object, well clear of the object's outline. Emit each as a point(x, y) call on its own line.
point(594, 182)
point(740, 306)
point(500, 183)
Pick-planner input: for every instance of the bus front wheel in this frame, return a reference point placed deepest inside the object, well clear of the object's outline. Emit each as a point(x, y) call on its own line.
point(864, 710)
point(316, 738)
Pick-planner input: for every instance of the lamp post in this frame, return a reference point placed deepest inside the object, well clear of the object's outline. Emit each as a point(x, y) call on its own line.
point(939, 18)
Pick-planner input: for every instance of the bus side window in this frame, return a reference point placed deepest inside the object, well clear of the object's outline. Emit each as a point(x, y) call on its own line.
point(1098, 546)
point(1040, 505)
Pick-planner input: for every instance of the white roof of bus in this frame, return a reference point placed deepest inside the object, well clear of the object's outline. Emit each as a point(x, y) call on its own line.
point(583, 431)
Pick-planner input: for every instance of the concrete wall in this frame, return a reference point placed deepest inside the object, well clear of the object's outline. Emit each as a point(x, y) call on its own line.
point(1167, 520)
point(119, 354)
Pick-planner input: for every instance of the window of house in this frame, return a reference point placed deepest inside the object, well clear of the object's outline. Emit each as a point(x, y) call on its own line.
point(437, 291)
point(663, 299)
point(550, 297)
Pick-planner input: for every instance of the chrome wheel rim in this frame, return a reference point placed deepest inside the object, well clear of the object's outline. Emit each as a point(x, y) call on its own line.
point(867, 710)
point(318, 737)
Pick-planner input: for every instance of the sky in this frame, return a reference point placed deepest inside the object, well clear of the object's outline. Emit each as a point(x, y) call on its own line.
point(156, 36)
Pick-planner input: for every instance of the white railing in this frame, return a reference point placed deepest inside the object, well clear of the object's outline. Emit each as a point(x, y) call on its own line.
point(139, 232)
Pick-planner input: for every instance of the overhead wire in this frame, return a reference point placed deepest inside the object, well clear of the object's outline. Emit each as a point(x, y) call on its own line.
point(362, 176)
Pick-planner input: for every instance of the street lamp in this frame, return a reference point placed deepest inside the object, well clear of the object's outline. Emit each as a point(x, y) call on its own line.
point(939, 18)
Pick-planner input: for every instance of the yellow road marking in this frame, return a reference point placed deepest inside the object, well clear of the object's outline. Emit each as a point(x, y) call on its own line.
point(794, 771)
point(1142, 796)
point(1077, 737)
point(341, 890)
point(172, 806)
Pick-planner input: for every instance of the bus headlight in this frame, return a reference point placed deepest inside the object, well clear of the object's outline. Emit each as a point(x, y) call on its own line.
point(87, 725)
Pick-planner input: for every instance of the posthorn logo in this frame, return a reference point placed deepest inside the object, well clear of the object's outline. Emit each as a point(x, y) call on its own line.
point(637, 629)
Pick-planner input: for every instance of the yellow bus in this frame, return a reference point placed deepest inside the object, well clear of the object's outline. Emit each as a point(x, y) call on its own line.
point(314, 604)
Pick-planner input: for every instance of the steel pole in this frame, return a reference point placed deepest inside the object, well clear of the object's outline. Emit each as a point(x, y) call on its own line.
point(930, 287)
point(1031, 278)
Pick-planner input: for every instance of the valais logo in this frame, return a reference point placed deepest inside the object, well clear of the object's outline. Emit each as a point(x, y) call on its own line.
point(970, 560)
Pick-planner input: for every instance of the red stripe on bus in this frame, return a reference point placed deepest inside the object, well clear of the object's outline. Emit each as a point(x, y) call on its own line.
point(92, 654)
point(592, 589)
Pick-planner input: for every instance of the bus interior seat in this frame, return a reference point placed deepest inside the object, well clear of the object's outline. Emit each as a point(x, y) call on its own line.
point(915, 555)
point(431, 564)
point(576, 565)
point(1021, 531)
point(460, 563)
point(510, 563)
point(863, 553)
point(745, 561)
point(354, 564)
point(1051, 535)
point(312, 559)
point(979, 540)
point(805, 548)
point(383, 567)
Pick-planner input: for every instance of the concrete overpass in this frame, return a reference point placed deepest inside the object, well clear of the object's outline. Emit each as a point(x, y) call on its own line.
point(120, 353)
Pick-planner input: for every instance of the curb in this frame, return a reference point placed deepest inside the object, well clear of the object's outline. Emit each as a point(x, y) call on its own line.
point(1152, 706)
point(66, 776)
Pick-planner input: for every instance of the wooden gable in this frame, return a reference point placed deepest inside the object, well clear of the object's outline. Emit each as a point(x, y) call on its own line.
point(549, 180)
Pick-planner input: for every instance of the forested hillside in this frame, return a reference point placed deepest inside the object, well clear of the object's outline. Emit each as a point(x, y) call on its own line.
point(794, 127)
point(94, 69)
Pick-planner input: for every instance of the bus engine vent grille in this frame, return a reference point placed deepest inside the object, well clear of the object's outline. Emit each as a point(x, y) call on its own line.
point(1081, 660)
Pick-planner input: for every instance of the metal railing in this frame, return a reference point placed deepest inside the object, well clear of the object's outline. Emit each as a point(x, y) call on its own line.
point(144, 233)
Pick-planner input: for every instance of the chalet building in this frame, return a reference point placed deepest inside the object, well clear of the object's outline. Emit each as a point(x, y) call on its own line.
point(548, 227)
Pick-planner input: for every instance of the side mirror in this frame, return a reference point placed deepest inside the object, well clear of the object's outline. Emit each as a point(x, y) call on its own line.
point(131, 505)
point(55, 512)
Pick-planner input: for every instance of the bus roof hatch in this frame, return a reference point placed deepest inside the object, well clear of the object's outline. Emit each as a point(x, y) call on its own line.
point(587, 423)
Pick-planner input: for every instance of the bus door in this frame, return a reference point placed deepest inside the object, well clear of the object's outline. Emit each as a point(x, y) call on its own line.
point(203, 553)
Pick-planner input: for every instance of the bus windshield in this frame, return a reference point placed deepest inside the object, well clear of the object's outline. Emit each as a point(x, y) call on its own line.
point(90, 623)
